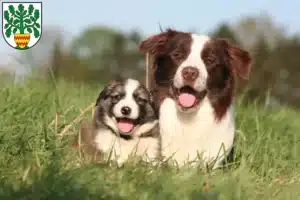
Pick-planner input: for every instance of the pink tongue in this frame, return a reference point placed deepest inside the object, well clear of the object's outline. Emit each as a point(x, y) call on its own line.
point(125, 126)
point(186, 100)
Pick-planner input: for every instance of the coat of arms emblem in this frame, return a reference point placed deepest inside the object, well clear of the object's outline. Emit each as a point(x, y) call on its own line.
point(22, 23)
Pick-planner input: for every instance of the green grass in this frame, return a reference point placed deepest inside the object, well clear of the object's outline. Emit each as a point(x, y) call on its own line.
point(37, 164)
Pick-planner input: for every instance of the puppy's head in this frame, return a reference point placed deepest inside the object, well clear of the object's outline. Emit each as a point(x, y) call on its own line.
point(124, 106)
point(195, 66)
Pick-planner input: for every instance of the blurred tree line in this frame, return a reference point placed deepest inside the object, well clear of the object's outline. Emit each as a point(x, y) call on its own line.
point(101, 53)
point(97, 55)
point(275, 72)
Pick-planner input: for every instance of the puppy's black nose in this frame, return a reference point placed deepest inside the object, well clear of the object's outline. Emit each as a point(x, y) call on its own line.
point(125, 110)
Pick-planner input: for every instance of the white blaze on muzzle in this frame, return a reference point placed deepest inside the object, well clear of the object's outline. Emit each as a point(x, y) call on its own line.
point(128, 102)
point(186, 98)
point(194, 60)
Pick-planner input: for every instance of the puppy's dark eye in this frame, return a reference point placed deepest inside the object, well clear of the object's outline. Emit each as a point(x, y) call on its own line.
point(211, 60)
point(177, 55)
point(115, 97)
point(141, 100)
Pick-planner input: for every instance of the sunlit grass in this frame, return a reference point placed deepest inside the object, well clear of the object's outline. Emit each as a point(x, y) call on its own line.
point(35, 163)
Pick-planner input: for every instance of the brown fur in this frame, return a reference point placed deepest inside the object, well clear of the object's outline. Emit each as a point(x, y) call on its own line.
point(223, 61)
point(84, 141)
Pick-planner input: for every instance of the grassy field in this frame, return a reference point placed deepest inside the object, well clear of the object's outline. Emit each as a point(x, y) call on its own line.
point(35, 163)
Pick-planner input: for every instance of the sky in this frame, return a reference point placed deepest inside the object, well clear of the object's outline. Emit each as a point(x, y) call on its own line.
point(146, 16)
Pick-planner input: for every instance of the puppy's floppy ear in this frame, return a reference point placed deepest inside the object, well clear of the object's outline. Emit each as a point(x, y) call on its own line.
point(241, 61)
point(156, 44)
point(153, 103)
point(151, 97)
point(106, 91)
point(102, 95)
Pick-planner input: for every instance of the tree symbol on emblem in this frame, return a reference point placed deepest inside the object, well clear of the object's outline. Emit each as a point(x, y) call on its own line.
point(22, 20)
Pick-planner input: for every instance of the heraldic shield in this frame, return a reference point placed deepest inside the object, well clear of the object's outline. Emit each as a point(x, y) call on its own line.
point(22, 24)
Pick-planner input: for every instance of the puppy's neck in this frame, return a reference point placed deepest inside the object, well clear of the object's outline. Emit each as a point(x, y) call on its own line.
point(148, 129)
point(125, 137)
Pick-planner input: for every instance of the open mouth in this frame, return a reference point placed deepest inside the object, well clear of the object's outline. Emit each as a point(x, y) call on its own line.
point(187, 97)
point(125, 125)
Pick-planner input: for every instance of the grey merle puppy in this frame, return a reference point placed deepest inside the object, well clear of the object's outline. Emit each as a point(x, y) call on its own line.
point(125, 123)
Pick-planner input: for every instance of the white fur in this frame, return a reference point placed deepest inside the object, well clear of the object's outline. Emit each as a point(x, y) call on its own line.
point(111, 122)
point(120, 150)
point(194, 60)
point(185, 136)
point(145, 128)
point(130, 86)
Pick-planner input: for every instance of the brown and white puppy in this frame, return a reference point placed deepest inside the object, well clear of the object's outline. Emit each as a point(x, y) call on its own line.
point(193, 81)
point(125, 123)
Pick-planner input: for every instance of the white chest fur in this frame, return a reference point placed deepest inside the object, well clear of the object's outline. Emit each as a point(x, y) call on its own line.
point(184, 136)
point(119, 149)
